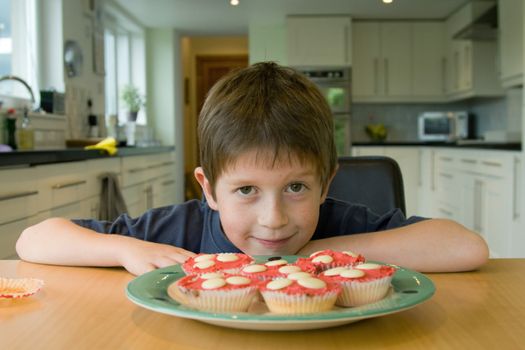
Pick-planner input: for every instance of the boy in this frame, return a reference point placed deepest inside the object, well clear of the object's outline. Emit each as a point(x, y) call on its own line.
point(268, 156)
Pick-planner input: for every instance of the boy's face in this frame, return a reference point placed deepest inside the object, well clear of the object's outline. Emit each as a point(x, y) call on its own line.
point(265, 209)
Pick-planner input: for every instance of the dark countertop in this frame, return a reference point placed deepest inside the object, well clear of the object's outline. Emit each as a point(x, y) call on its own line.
point(16, 158)
point(512, 146)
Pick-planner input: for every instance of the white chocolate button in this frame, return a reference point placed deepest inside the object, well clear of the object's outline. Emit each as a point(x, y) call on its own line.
point(279, 284)
point(298, 275)
point(226, 257)
point(254, 268)
point(368, 266)
point(334, 271)
point(204, 264)
point(276, 262)
point(312, 283)
point(347, 252)
point(315, 253)
point(213, 283)
point(325, 259)
point(351, 273)
point(204, 257)
point(238, 280)
point(289, 269)
point(210, 275)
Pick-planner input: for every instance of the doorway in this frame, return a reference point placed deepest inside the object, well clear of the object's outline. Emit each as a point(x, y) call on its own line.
point(209, 69)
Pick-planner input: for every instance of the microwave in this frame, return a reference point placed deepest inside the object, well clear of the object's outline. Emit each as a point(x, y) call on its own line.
point(445, 126)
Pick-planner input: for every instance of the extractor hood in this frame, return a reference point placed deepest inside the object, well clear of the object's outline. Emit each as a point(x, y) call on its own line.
point(477, 20)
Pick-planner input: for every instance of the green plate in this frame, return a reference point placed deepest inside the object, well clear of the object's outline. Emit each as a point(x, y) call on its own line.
point(409, 288)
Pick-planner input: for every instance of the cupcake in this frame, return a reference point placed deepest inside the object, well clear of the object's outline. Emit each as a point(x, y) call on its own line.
point(274, 269)
point(303, 295)
point(363, 284)
point(214, 292)
point(327, 259)
point(223, 262)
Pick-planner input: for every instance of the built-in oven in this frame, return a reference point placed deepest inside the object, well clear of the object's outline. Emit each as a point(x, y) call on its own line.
point(335, 84)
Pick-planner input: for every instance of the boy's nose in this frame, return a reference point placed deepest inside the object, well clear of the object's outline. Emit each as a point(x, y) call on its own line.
point(273, 214)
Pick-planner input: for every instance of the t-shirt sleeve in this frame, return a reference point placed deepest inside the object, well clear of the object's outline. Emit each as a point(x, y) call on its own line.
point(337, 218)
point(178, 225)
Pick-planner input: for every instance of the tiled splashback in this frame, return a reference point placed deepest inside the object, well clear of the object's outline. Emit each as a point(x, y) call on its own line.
point(401, 119)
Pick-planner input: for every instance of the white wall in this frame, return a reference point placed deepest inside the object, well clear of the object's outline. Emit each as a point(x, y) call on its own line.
point(164, 87)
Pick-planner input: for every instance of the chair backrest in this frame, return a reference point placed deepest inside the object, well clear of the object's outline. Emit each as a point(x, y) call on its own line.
point(374, 181)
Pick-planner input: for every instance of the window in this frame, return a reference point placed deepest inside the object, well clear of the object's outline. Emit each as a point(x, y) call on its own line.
point(124, 62)
point(18, 47)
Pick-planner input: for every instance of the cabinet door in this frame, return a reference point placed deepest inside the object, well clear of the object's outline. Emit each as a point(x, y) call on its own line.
point(494, 217)
point(510, 14)
point(317, 41)
point(428, 68)
point(365, 59)
point(9, 233)
point(408, 160)
point(396, 64)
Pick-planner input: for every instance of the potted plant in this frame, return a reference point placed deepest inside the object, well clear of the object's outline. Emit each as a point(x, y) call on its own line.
point(132, 100)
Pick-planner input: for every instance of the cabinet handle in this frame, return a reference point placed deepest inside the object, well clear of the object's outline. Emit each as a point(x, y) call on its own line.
point(448, 176)
point(17, 195)
point(448, 213)
point(376, 76)
point(444, 74)
point(445, 159)
point(386, 76)
point(478, 194)
point(346, 44)
point(493, 164)
point(69, 184)
point(168, 182)
point(137, 170)
point(469, 161)
point(516, 193)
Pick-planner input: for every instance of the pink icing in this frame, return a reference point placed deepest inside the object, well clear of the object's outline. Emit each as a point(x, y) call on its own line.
point(194, 282)
point(370, 275)
point(297, 289)
point(242, 260)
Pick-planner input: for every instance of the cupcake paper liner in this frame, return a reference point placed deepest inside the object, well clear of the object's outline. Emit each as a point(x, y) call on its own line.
point(356, 293)
point(282, 303)
point(237, 300)
point(19, 287)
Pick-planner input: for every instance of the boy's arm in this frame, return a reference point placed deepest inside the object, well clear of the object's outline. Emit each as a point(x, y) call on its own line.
point(61, 242)
point(435, 245)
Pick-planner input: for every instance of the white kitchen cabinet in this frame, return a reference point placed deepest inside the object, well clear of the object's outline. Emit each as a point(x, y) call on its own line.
point(319, 40)
point(398, 61)
point(148, 182)
point(472, 69)
point(408, 160)
point(18, 205)
point(267, 43)
point(510, 23)
point(477, 188)
point(426, 195)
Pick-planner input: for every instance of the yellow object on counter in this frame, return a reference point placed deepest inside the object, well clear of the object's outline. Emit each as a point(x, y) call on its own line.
point(108, 144)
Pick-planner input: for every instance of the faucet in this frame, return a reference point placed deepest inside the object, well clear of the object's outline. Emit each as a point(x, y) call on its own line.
point(20, 80)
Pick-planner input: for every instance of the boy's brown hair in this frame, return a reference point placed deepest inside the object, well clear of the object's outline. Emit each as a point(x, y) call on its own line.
point(270, 108)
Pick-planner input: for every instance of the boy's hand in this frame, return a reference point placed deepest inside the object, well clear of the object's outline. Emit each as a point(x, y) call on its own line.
point(139, 257)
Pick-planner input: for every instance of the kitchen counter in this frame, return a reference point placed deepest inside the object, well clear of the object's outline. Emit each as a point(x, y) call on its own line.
point(512, 146)
point(28, 158)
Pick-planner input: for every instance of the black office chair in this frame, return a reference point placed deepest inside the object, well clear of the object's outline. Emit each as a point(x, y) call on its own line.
point(374, 181)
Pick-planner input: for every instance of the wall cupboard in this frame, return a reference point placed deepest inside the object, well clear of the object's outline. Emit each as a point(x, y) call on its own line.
point(72, 190)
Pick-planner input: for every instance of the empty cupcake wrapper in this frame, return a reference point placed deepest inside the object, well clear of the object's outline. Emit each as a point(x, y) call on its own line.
point(19, 287)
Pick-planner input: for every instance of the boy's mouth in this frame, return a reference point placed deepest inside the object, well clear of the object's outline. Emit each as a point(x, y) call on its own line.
point(273, 243)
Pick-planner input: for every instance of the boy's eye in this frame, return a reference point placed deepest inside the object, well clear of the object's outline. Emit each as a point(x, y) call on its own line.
point(296, 187)
point(245, 190)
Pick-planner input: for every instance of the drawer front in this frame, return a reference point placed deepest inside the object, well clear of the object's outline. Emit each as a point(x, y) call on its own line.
point(61, 184)
point(135, 170)
point(9, 234)
point(97, 167)
point(19, 194)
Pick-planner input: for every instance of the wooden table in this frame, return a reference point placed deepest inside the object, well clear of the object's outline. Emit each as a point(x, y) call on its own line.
point(86, 308)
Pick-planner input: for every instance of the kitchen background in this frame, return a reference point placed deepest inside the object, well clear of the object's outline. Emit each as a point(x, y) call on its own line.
point(173, 50)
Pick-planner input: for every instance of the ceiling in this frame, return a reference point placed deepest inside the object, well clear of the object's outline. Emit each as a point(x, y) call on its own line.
point(218, 17)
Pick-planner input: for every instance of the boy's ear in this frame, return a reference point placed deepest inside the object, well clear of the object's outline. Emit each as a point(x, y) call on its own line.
point(206, 187)
point(325, 191)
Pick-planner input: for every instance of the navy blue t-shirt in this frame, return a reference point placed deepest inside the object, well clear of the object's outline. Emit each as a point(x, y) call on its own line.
point(194, 226)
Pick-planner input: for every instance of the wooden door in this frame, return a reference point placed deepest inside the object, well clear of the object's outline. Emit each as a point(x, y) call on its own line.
point(209, 69)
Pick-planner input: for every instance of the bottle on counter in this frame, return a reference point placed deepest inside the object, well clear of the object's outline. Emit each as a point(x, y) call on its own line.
point(10, 128)
point(26, 134)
